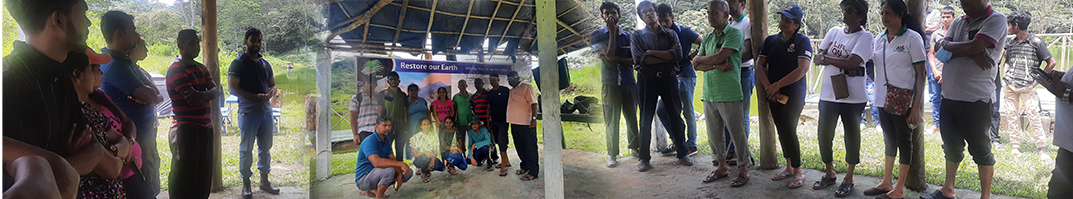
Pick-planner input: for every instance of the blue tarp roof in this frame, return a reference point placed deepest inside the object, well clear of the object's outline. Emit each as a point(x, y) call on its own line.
point(455, 26)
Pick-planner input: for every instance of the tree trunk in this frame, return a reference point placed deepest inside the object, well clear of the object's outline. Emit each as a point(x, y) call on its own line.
point(917, 181)
point(758, 17)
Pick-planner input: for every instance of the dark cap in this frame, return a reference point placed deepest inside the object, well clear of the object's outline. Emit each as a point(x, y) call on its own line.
point(792, 11)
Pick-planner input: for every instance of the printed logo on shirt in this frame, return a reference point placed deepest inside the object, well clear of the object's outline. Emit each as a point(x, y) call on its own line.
point(900, 49)
point(790, 49)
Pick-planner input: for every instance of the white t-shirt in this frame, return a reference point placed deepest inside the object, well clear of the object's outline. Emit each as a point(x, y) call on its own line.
point(839, 44)
point(894, 61)
point(743, 25)
point(963, 80)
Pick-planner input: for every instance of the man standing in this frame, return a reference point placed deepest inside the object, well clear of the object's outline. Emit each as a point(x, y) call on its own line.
point(479, 104)
point(251, 79)
point(396, 107)
point(124, 82)
point(936, 67)
point(522, 116)
point(41, 109)
point(619, 87)
point(969, 50)
point(497, 111)
point(719, 58)
point(739, 21)
point(687, 79)
point(364, 109)
point(191, 88)
point(656, 52)
point(463, 110)
point(377, 168)
point(1023, 54)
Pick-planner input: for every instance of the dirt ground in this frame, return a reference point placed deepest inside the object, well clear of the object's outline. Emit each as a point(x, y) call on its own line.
point(236, 192)
point(585, 176)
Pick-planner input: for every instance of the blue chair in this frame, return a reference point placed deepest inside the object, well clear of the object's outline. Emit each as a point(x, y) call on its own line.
point(276, 113)
point(225, 114)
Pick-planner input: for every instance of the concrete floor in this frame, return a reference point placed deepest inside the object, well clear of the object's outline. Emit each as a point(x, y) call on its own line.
point(585, 176)
point(297, 192)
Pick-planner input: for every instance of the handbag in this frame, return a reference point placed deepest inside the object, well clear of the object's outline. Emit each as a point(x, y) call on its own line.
point(840, 86)
point(899, 100)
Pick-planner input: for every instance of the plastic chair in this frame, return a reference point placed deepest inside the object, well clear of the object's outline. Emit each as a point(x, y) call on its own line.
point(225, 114)
point(276, 113)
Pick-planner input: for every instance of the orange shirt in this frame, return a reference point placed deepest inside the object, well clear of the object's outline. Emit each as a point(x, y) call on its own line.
point(519, 107)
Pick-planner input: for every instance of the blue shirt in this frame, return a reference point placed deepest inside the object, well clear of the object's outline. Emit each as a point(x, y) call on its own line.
point(782, 59)
point(254, 76)
point(614, 73)
point(498, 99)
point(121, 77)
point(478, 138)
point(416, 111)
point(686, 37)
point(372, 145)
point(644, 39)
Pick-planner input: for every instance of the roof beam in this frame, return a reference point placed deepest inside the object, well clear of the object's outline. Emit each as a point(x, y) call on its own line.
point(402, 16)
point(359, 20)
point(464, 24)
point(486, 30)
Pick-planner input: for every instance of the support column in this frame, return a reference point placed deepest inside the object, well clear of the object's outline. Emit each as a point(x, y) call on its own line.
point(323, 135)
point(212, 61)
point(916, 180)
point(758, 22)
point(549, 71)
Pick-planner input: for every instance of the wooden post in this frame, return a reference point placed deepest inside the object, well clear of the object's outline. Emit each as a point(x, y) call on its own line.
point(758, 21)
point(553, 151)
point(323, 135)
point(916, 180)
point(211, 60)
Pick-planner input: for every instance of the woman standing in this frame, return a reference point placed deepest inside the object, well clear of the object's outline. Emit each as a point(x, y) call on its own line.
point(899, 58)
point(111, 128)
point(784, 58)
point(443, 106)
point(842, 54)
point(417, 108)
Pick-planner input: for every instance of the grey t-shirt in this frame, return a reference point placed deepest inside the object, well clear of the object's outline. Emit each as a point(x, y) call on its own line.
point(1021, 57)
point(963, 80)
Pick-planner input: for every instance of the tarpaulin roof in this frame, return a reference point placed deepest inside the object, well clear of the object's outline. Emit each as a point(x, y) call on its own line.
point(455, 26)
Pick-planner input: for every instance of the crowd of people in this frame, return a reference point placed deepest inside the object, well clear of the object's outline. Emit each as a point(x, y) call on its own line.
point(82, 124)
point(887, 71)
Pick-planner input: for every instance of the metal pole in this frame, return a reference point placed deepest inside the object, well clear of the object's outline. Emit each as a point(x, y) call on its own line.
point(553, 158)
point(211, 60)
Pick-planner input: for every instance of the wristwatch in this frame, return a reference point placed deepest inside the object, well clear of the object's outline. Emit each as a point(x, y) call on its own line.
point(1065, 95)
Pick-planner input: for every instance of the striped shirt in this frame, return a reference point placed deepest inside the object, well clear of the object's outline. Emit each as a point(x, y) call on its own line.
point(644, 39)
point(480, 105)
point(195, 76)
point(367, 108)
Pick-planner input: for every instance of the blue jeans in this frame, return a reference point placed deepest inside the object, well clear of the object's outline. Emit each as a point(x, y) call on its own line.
point(747, 84)
point(686, 85)
point(871, 88)
point(935, 89)
point(255, 127)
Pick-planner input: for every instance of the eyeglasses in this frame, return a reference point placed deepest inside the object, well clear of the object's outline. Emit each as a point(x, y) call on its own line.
point(514, 77)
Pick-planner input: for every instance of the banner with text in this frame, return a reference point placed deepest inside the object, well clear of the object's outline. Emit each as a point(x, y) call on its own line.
point(429, 66)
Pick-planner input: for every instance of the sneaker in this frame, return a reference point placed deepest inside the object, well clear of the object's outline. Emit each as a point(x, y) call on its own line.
point(611, 162)
point(643, 166)
point(668, 152)
point(685, 160)
point(692, 151)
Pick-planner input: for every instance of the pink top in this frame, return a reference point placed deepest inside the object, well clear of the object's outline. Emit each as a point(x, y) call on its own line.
point(443, 108)
point(135, 150)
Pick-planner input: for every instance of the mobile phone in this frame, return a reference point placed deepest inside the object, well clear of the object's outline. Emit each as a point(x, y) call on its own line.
point(1039, 73)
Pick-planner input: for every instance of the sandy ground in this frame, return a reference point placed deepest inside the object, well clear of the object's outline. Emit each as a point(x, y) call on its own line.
point(585, 176)
point(236, 192)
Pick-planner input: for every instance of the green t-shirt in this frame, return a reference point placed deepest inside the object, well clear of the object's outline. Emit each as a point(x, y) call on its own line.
point(465, 113)
point(720, 86)
point(396, 108)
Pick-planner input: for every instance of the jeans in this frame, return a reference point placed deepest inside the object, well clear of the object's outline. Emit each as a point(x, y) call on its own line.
point(654, 86)
point(747, 83)
point(686, 86)
point(422, 163)
point(966, 123)
point(191, 161)
point(935, 89)
point(255, 128)
point(620, 101)
point(525, 142)
point(828, 121)
point(150, 157)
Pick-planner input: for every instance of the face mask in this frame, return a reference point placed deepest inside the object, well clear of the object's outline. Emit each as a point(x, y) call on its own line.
point(943, 55)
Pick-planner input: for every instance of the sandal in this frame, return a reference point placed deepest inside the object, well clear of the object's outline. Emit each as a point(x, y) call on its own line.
point(844, 189)
point(452, 170)
point(500, 166)
point(823, 183)
point(503, 172)
point(874, 191)
point(713, 177)
point(528, 177)
point(739, 181)
point(780, 176)
point(796, 183)
point(520, 172)
point(425, 178)
point(934, 195)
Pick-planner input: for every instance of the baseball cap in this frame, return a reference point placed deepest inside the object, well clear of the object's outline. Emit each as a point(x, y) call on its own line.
point(792, 11)
point(95, 58)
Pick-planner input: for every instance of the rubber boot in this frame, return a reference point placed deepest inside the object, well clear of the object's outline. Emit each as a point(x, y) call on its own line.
point(247, 193)
point(267, 186)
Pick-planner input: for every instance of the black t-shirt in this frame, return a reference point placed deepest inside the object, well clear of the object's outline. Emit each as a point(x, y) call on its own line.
point(498, 99)
point(40, 103)
point(782, 59)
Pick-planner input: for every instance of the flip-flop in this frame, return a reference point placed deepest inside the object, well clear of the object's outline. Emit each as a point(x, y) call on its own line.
point(935, 195)
point(739, 181)
point(500, 166)
point(425, 178)
point(712, 177)
point(799, 182)
point(528, 177)
point(844, 189)
point(823, 183)
point(781, 175)
point(874, 191)
point(502, 172)
point(520, 172)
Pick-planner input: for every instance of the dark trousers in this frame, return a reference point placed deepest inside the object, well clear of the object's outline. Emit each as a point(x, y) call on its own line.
point(499, 135)
point(191, 161)
point(482, 154)
point(150, 156)
point(620, 100)
point(136, 187)
point(897, 136)
point(525, 142)
point(402, 142)
point(965, 123)
point(653, 87)
point(996, 111)
point(786, 116)
point(1061, 185)
point(829, 115)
